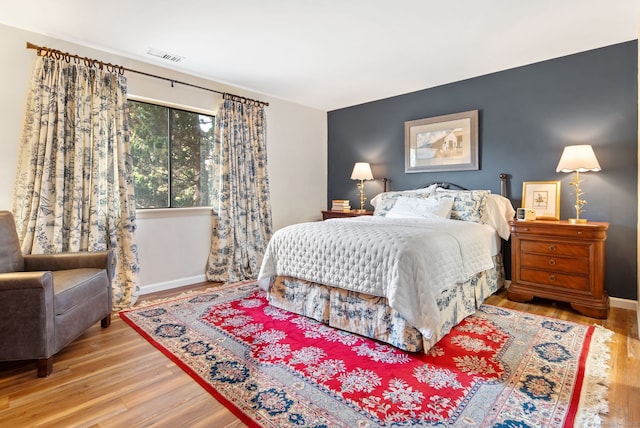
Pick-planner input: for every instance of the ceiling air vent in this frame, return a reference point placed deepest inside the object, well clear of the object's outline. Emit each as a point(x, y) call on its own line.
point(164, 55)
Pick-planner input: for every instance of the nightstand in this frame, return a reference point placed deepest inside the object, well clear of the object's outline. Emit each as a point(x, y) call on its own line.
point(341, 214)
point(560, 261)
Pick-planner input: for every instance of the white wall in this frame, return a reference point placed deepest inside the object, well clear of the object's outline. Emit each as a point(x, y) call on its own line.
point(174, 244)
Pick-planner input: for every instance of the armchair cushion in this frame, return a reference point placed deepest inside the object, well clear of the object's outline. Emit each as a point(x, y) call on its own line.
point(76, 286)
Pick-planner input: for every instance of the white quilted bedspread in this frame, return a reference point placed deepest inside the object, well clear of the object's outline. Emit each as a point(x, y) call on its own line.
point(408, 261)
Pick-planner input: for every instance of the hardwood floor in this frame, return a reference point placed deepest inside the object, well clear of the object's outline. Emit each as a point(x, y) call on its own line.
point(115, 378)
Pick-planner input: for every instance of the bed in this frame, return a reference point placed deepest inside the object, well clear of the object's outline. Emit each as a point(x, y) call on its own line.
point(405, 276)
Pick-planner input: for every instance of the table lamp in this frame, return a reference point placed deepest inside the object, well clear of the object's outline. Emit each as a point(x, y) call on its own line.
point(361, 171)
point(579, 158)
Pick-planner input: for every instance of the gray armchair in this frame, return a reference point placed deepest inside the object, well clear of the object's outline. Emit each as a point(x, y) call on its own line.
point(48, 300)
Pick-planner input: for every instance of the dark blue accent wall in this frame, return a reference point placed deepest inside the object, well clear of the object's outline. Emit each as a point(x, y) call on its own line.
point(526, 116)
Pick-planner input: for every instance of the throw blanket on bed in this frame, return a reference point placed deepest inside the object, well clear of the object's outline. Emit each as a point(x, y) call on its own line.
point(408, 261)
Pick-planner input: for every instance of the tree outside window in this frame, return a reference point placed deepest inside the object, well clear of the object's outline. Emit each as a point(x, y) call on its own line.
point(171, 150)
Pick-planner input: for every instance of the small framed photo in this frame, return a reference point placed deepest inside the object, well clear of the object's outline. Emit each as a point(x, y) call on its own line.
point(442, 143)
point(543, 197)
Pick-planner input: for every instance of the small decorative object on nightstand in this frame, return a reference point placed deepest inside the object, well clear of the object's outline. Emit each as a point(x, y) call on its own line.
point(342, 214)
point(560, 261)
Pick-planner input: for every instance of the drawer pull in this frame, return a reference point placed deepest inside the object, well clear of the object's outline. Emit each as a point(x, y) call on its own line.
point(552, 262)
point(580, 232)
point(552, 278)
point(552, 248)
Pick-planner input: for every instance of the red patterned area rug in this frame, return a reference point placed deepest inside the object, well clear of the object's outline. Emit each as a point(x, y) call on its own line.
point(498, 368)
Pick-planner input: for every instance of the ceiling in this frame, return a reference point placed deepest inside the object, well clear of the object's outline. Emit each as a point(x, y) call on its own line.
point(330, 54)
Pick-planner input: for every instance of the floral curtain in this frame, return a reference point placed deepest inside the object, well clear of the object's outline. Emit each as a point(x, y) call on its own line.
point(242, 218)
point(74, 186)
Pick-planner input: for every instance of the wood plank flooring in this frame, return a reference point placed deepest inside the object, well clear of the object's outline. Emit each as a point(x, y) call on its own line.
point(114, 378)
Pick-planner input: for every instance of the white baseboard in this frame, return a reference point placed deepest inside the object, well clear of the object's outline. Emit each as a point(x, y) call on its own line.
point(168, 285)
point(617, 302)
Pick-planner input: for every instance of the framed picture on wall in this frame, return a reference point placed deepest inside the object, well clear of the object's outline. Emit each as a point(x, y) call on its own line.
point(442, 143)
point(543, 197)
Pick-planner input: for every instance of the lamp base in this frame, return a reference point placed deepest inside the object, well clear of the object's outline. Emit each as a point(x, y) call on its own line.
point(577, 221)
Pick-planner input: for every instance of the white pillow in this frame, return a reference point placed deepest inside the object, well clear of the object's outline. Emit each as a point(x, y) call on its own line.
point(498, 211)
point(406, 207)
point(423, 192)
point(431, 190)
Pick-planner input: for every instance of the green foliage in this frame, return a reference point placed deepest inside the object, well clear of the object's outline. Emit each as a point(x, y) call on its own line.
point(171, 152)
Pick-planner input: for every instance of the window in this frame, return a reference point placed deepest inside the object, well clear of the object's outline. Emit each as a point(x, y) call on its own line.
point(171, 152)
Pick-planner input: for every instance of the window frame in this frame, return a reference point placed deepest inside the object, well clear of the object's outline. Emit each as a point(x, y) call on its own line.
point(172, 211)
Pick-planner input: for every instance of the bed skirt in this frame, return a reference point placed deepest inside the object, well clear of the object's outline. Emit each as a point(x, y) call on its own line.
point(372, 317)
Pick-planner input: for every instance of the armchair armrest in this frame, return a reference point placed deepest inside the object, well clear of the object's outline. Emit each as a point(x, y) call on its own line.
point(26, 315)
point(63, 261)
point(25, 281)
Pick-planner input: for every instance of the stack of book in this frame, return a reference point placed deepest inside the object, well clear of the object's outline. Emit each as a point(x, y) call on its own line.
point(340, 205)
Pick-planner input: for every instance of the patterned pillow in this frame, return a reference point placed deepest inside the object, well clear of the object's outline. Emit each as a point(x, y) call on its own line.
point(385, 201)
point(468, 205)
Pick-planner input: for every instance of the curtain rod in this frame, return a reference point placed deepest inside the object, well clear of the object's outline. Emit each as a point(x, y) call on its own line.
point(90, 62)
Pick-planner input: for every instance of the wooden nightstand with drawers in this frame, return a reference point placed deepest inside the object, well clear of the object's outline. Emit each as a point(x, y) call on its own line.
point(561, 261)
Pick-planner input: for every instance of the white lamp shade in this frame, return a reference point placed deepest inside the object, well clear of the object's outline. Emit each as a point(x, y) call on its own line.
point(361, 171)
point(579, 158)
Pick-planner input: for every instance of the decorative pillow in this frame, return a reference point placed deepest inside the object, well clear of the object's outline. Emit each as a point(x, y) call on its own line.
point(424, 192)
point(498, 211)
point(406, 207)
point(383, 202)
point(468, 205)
point(431, 190)
point(386, 201)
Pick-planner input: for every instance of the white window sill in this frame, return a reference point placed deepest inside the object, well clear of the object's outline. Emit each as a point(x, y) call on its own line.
point(174, 212)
